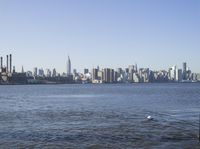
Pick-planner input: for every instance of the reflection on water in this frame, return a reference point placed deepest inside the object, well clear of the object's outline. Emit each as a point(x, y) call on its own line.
point(99, 116)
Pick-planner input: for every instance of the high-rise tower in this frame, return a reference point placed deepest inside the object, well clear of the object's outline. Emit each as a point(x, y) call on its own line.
point(184, 71)
point(68, 66)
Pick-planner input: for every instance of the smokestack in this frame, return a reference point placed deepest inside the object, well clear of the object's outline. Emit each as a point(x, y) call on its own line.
point(6, 63)
point(10, 63)
point(1, 63)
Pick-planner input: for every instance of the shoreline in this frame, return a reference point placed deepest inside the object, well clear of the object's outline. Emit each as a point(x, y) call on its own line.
point(10, 84)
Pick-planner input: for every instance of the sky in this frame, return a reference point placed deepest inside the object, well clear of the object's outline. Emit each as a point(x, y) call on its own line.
point(157, 34)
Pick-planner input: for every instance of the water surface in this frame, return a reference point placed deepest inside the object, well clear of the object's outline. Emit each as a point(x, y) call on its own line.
point(99, 116)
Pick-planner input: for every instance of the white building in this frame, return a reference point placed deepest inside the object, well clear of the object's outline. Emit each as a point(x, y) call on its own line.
point(172, 73)
point(179, 75)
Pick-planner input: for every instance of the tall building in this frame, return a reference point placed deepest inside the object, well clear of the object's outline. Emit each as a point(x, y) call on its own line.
point(98, 67)
point(184, 71)
point(41, 72)
point(94, 74)
point(179, 75)
point(86, 71)
point(136, 68)
point(115, 76)
point(68, 66)
point(131, 69)
point(22, 69)
point(144, 75)
point(54, 72)
point(100, 76)
point(108, 75)
point(48, 73)
point(198, 76)
point(35, 72)
point(172, 73)
point(136, 78)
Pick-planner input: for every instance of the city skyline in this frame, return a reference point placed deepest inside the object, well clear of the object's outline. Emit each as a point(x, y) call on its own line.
point(130, 74)
point(68, 66)
point(155, 34)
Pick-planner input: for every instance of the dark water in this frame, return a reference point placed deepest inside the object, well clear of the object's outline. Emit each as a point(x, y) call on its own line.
point(100, 116)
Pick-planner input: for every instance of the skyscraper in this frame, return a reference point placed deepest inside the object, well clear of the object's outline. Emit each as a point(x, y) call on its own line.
point(108, 75)
point(22, 69)
point(41, 72)
point(35, 71)
point(130, 73)
point(68, 66)
point(54, 72)
point(184, 71)
point(94, 74)
point(48, 73)
point(86, 71)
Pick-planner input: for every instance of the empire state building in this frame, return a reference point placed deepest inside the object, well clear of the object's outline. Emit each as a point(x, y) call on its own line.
point(68, 66)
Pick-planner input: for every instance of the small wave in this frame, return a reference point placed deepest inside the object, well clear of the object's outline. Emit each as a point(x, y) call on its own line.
point(69, 96)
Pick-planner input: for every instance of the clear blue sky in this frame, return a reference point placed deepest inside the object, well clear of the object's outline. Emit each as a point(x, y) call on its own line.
point(109, 33)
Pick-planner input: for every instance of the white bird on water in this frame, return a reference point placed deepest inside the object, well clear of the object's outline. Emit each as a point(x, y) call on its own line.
point(149, 118)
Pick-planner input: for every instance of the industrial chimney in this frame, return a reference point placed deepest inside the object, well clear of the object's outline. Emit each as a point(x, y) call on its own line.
point(10, 63)
point(7, 63)
point(1, 63)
